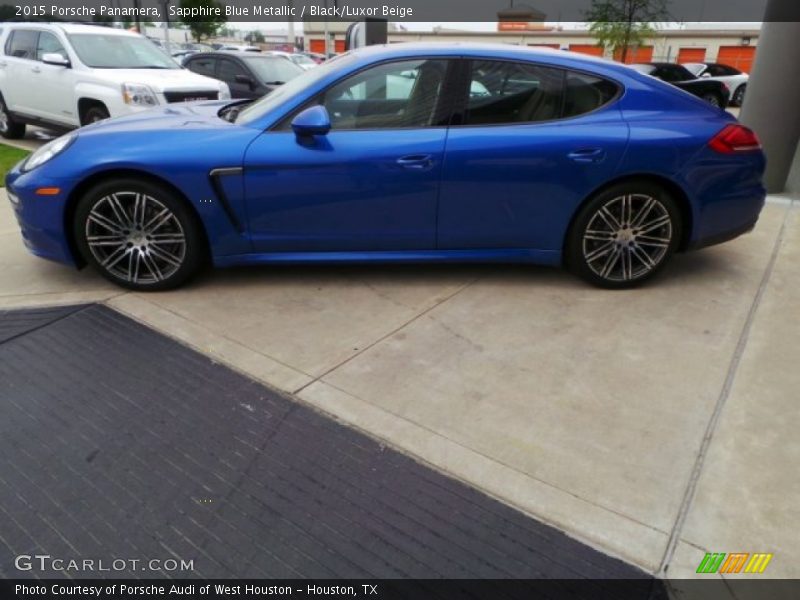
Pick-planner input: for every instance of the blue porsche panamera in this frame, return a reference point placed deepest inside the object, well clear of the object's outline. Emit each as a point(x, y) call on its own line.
point(409, 152)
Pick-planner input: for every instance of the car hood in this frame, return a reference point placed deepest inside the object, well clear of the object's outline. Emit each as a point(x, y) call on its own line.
point(162, 79)
point(190, 115)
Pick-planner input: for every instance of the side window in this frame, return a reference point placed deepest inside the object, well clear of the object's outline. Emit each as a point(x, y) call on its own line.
point(391, 95)
point(585, 93)
point(22, 44)
point(202, 66)
point(510, 92)
point(49, 44)
point(228, 70)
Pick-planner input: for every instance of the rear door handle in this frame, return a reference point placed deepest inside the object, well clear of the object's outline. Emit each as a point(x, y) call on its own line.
point(587, 155)
point(416, 162)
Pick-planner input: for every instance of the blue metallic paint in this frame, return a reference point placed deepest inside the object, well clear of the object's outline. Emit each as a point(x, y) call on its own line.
point(504, 193)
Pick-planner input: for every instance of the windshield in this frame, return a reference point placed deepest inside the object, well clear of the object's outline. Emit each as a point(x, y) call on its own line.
point(646, 69)
point(286, 92)
point(101, 51)
point(695, 68)
point(271, 69)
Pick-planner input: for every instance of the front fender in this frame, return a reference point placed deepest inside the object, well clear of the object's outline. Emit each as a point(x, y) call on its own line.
point(110, 94)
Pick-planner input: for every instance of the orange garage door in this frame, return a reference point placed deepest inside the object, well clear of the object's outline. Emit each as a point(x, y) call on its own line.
point(318, 46)
point(590, 49)
point(740, 57)
point(691, 55)
point(635, 55)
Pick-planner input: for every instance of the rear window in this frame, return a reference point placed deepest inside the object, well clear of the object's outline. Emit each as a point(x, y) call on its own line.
point(503, 92)
point(22, 43)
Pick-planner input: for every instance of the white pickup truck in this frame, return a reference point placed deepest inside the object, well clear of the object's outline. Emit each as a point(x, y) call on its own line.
point(64, 76)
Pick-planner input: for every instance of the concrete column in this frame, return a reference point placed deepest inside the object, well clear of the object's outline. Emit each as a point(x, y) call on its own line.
point(772, 102)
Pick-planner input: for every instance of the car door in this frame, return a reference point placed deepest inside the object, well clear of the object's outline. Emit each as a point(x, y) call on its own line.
point(371, 183)
point(54, 84)
point(530, 143)
point(239, 79)
point(20, 63)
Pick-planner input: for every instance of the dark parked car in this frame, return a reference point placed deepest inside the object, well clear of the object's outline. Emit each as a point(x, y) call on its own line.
point(247, 75)
point(713, 92)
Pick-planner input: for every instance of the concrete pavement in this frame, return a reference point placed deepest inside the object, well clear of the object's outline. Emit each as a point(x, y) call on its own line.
point(655, 424)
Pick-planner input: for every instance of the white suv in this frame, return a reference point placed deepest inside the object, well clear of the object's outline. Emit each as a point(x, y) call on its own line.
point(68, 75)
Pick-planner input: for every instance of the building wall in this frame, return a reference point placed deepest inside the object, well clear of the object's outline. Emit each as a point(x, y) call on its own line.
point(666, 45)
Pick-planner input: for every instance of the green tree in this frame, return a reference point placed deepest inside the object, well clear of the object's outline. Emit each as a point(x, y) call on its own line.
point(254, 37)
point(619, 24)
point(205, 26)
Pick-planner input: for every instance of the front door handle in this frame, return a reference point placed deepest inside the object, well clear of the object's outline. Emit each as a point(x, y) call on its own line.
point(416, 162)
point(36, 70)
point(587, 155)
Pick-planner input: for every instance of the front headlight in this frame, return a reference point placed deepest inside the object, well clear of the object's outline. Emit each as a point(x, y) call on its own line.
point(224, 91)
point(138, 94)
point(48, 151)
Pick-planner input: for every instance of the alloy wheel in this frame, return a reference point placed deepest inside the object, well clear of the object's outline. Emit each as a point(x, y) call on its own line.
point(627, 237)
point(135, 238)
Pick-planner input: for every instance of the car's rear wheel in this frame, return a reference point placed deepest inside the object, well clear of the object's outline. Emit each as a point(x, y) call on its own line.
point(9, 128)
point(713, 99)
point(624, 235)
point(738, 95)
point(139, 235)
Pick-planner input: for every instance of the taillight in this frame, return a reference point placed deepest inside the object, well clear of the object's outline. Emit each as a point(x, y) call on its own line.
point(735, 138)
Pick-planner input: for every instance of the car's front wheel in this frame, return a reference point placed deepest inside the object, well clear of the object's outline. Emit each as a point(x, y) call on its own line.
point(95, 114)
point(624, 235)
point(139, 235)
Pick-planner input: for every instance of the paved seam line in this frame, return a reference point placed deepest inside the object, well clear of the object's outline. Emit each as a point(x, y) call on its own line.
point(409, 452)
point(209, 332)
point(391, 333)
point(691, 488)
point(43, 325)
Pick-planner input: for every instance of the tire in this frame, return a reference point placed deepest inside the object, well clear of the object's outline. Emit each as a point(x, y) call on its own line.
point(617, 250)
point(9, 128)
point(738, 95)
point(713, 99)
point(139, 235)
point(95, 113)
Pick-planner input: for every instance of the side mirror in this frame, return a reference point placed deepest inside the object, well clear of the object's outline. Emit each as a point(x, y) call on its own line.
point(245, 79)
point(54, 58)
point(312, 121)
point(706, 75)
